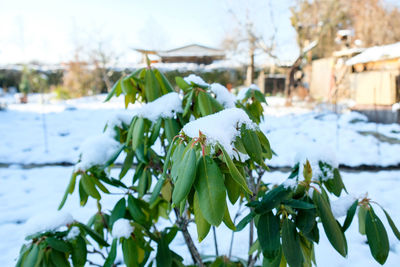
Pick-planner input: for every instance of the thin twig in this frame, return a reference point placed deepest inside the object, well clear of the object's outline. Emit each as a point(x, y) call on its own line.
point(94, 264)
point(95, 251)
point(215, 241)
point(233, 232)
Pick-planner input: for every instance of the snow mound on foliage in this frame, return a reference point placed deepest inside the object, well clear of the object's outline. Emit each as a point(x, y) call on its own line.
point(116, 121)
point(222, 127)
point(341, 205)
point(48, 222)
point(122, 228)
point(163, 107)
point(242, 93)
point(224, 97)
point(314, 155)
point(97, 150)
point(195, 79)
point(73, 233)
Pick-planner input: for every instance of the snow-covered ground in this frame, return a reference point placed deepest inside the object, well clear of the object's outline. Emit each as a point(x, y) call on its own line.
point(27, 193)
point(65, 124)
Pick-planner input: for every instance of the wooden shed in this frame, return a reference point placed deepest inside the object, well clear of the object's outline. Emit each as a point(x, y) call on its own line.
point(374, 79)
point(375, 82)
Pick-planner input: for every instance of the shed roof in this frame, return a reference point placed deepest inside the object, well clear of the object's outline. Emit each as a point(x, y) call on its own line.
point(376, 53)
point(193, 50)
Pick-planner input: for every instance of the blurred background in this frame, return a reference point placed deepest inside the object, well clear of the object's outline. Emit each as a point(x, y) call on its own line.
point(329, 51)
point(330, 70)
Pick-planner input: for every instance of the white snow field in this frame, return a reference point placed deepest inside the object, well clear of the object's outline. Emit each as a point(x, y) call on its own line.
point(289, 130)
point(29, 195)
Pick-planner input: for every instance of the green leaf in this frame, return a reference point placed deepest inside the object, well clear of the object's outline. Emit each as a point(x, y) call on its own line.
point(113, 157)
point(112, 255)
point(276, 262)
point(188, 103)
point(134, 207)
point(130, 130)
point(88, 185)
point(331, 226)
point(265, 144)
point(232, 188)
point(305, 220)
point(127, 164)
point(96, 237)
point(118, 211)
point(58, 244)
point(114, 89)
point(204, 103)
point(252, 144)
point(298, 204)
point(181, 83)
point(79, 252)
point(272, 199)
point(155, 131)
point(83, 196)
point(138, 133)
point(163, 256)
point(144, 183)
point(166, 86)
point(130, 252)
point(127, 86)
point(69, 190)
point(291, 244)
point(227, 219)
point(392, 225)
point(242, 224)
point(269, 234)
point(350, 215)
point(210, 187)
point(171, 127)
point(32, 256)
point(377, 237)
point(186, 177)
point(59, 259)
point(152, 88)
point(362, 213)
point(236, 175)
point(100, 185)
point(203, 227)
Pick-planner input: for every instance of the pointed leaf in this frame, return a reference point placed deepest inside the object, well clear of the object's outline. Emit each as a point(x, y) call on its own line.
point(210, 187)
point(377, 237)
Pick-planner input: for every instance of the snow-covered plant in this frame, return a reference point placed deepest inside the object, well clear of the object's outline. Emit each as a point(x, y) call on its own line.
point(196, 150)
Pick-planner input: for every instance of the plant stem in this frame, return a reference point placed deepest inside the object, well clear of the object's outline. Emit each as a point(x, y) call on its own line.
point(251, 236)
point(215, 242)
point(233, 232)
point(182, 223)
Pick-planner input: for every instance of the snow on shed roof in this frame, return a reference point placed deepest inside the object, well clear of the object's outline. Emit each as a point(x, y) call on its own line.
point(376, 53)
point(192, 50)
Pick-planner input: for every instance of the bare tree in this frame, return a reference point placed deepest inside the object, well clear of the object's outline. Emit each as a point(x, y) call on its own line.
point(246, 37)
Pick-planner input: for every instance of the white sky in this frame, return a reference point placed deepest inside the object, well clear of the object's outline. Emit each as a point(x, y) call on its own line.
point(50, 30)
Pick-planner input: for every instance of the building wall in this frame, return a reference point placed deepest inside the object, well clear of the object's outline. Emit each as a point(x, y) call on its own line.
point(321, 79)
point(373, 87)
